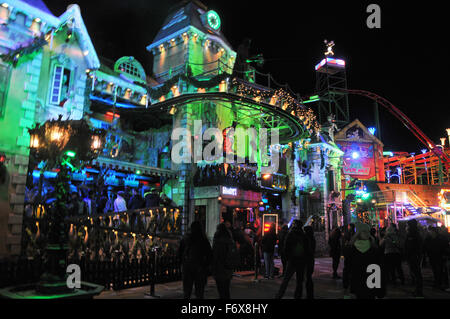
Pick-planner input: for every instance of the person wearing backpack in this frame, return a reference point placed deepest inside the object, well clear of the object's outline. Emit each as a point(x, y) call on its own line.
point(296, 249)
point(224, 259)
point(195, 253)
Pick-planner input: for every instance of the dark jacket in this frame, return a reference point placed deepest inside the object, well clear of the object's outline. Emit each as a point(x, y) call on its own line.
point(413, 245)
point(195, 251)
point(224, 254)
point(358, 262)
point(136, 202)
point(335, 242)
point(268, 242)
point(309, 233)
point(151, 200)
point(296, 247)
point(282, 239)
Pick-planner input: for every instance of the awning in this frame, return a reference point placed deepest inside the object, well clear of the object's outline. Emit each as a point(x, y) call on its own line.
point(134, 168)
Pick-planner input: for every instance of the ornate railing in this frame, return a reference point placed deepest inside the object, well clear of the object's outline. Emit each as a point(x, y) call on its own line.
point(116, 250)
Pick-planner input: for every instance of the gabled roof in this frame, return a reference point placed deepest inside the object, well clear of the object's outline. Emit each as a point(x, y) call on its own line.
point(73, 11)
point(368, 137)
point(180, 18)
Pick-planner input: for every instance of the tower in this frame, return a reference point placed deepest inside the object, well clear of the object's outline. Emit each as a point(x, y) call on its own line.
point(191, 42)
point(331, 83)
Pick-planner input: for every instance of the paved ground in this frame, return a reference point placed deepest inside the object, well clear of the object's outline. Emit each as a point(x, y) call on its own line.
point(244, 287)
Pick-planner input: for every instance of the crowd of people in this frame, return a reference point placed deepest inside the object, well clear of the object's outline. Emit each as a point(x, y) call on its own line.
point(359, 244)
point(390, 248)
point(84, 201)
point(229, 175)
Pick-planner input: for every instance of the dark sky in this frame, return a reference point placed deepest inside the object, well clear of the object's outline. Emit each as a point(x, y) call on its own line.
point(405, 61)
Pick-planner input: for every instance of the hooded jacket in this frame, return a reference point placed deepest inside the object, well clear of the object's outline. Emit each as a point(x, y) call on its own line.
point(362, 254)
point(224, 254)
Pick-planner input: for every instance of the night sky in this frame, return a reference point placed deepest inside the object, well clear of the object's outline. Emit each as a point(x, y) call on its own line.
point(404, 61)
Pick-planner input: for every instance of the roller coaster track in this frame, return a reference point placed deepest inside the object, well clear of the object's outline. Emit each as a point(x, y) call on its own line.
point(406, 121)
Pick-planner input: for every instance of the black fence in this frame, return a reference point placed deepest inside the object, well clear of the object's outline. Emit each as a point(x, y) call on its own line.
point(116, 275)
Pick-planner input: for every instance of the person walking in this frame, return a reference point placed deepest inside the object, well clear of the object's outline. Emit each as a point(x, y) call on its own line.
point(364, 253)
point(393, 254)
point(346, 248)
point(224, 259)
point(335, 250)
point(296, 250)
point(196, 254)
point(413, 254)
point(310, 261)
point(268, 247)
point(435, 250)
point(281, 243)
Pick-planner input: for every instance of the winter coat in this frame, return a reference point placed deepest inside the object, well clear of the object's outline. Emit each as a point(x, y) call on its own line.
point(225, 256)
point(136, 202)
point(296, 246)
point(282, 240)
point(434, 247)
point(358, 260)
point(392, 244)
point(195, 252)
point(268, 242)
point(413, 245)
point(335, 243)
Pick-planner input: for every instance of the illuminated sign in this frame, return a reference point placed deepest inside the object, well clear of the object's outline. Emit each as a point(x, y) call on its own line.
point(229, 191)
point(355, 170)
point(330, 61)
point(268, 220)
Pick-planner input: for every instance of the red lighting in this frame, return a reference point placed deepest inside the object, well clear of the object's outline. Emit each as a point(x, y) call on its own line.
point(2, 158)
point(110, 114)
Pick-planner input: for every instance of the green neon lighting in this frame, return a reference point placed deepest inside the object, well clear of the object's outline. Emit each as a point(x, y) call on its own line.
point(71, 153)
point(213, 19)
point(138, 172)
point(365, 195)
point(309, 101)
point(313, 97)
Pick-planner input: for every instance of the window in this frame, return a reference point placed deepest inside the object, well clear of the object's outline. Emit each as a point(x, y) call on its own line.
point(4, 80)
point(60, 85)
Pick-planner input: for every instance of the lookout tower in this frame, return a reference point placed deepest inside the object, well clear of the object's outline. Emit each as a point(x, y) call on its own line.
point(331, 83)
point(191, 42)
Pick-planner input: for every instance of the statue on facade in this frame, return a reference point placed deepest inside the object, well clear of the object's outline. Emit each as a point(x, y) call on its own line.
point(333, 127)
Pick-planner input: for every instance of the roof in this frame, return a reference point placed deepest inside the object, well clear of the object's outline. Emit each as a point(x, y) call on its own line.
point(38, 4)
point(180, 18)
point(368, 137)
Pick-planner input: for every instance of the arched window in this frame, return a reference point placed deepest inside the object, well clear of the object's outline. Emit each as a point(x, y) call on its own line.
point(131, 68)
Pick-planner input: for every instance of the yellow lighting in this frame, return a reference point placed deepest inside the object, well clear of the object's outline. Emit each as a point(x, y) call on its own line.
point(96, 142)
point(266, 176)
point(37, 20)
point(34, 141)
point(5, 5)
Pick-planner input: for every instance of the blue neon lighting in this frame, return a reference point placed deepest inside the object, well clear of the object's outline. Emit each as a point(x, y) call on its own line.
point(372, 130)
point(109, 102)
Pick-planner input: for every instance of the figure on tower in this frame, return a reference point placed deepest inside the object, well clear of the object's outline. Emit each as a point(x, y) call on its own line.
point(330, 46)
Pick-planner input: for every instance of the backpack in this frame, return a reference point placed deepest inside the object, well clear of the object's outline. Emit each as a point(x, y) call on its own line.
point(298, 250)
